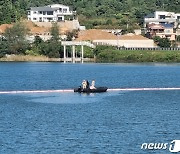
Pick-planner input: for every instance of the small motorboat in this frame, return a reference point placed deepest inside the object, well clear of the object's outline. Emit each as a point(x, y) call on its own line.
point(88, 90)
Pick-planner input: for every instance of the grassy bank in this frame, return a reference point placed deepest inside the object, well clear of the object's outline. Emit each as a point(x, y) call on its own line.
point(28, 58)
point(113, 55)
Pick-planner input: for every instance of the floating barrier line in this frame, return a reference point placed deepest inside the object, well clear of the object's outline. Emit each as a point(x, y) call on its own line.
point(141, 89)
point(36, 91)
point(72, 90)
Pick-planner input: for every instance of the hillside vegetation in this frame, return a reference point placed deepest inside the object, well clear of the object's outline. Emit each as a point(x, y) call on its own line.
point(122, 14)
point(93, 13)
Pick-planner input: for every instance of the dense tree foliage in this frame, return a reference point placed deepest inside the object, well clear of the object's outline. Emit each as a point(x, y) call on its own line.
point(93, 13)
point(15, 38)
point(124, 14)
point(111, 54)
point(178, 38)
point(50, 48)
point(72, 35)
point(14, 41)
point(162, 42)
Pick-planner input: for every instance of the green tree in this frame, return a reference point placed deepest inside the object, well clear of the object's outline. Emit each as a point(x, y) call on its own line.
point(162, 42)
point(36, 46)
point(55, 32)
point(16, 38)
point(14, 10)
point(52, 49)
point(71, 35)
point(37, 40)
point(53, 46)
point(178, 38)
point(156, 39)
point(3, 47)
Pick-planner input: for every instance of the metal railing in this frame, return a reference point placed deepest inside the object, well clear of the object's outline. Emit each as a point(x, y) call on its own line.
point(152, 49)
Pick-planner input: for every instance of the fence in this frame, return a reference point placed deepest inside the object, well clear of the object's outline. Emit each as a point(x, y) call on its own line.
point(153, 48)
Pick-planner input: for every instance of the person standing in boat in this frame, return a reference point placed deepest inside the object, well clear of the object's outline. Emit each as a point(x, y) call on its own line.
point(84, 84)
point(93, 85)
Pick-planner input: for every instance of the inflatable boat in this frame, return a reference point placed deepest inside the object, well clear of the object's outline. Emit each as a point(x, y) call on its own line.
point(88, 90)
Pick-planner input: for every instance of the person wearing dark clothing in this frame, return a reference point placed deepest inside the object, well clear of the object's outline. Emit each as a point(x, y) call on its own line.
point(87, 84)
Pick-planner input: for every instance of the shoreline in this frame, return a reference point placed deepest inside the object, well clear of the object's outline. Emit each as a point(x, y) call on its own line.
point(30, 58)
point(138, 56)
point(125, 58)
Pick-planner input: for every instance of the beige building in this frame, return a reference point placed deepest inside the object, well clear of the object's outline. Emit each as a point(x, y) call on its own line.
point(161, 30)
point(163, 24)
point(135, 41)
point(100, 37)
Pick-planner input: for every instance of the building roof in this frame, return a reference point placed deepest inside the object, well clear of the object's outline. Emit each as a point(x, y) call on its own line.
point(155, 26)
point(160, 26)
point(95, 34)
point(45, 8)
point(163, 12)
point(60, 5)
point(167, 25)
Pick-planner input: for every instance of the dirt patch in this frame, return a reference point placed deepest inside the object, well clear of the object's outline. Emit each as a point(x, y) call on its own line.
point(3, 27)
point(95, 34)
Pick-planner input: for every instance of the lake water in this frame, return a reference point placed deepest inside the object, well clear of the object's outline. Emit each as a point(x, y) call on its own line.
point(106, 123)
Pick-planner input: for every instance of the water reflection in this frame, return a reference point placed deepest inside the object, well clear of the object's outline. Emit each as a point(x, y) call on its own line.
point(64, 98)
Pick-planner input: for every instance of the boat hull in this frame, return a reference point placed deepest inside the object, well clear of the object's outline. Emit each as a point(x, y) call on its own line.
point(88, 90)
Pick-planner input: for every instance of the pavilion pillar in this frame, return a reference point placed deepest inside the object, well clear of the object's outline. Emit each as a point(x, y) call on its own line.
point(73, 53)
point(64, 54)
point(82, 54)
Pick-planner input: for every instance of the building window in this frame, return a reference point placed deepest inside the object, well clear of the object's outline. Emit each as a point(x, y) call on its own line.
point(64, 10)
point(60, 9)
point(162, 17)
point(60, 19)
point(49, 19)
point(40, 12)
point(34, 19)
point(34, 12)
point(44, 12)
point(168, 36)
point(49, 12)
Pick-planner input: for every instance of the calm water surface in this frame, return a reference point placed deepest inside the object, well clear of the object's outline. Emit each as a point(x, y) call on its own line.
point(68, 123)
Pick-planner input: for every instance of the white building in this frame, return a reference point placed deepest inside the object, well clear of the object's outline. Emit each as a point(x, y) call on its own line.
point(162, 17)
point(50, 13)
